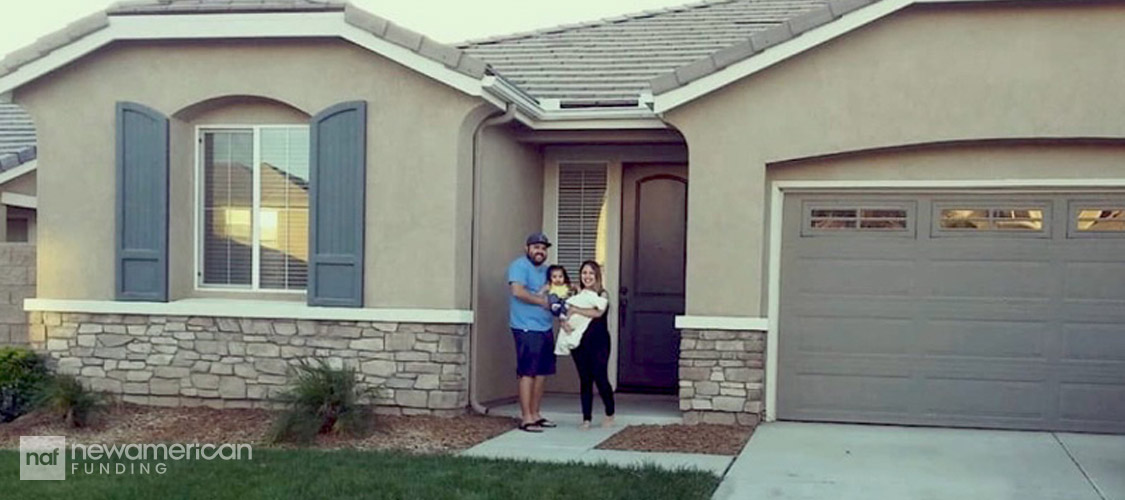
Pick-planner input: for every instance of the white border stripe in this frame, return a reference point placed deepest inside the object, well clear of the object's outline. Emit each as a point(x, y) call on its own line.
point(778, 190)
point(250, 309)
point(722, 323)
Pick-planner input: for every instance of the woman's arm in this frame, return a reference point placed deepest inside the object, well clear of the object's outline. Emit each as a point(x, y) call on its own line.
point(590, 312)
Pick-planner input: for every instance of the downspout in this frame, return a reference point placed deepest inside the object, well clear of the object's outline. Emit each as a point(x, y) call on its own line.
point(478, 156)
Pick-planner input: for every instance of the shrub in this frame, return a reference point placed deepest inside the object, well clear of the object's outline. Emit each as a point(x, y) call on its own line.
point(22, 374)
point(322, 400)
point(66, 397)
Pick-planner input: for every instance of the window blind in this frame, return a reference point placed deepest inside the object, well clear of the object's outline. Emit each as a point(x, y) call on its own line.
point(582, 207)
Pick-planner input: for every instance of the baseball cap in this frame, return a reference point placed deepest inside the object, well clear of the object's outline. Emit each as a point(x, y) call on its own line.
point(541, 238)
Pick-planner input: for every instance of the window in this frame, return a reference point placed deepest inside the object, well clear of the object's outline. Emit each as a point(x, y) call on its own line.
point(970, 218)
point(851, 218)
point(582, 223)
point(1092, 219)
point(254, 207)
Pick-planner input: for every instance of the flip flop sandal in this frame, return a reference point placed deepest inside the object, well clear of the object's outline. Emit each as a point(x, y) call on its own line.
point(532, 427)
point(545, 423)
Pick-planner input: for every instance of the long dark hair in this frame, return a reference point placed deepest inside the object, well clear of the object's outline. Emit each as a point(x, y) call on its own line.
point(597, 276)
point(551, 269)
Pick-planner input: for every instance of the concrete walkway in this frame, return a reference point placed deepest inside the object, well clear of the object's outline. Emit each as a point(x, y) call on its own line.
point(785, 460)
point(567, 443)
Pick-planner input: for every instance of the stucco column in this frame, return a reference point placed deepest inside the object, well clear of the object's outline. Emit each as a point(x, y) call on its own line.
point(726, 230)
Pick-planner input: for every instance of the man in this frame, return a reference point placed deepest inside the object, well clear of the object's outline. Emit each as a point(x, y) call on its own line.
point(531, 325)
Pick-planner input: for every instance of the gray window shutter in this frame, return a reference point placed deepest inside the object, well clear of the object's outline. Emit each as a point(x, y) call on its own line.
point(142, 204)
point(338, 161)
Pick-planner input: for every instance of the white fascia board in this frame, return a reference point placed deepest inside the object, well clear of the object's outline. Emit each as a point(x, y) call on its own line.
point(232, 26)
point(773, 55)
point(535, 116)
point(18, 171)
point(260, 309)
point(722, 323)
point(19, 200)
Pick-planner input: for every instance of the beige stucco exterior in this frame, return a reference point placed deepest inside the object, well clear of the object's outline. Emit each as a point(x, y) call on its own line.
point(416, 136)
point(925, 75)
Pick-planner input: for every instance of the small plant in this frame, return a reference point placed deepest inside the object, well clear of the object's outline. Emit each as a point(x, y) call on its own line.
point(323, 400)
point(66, 397)
point(22, 375)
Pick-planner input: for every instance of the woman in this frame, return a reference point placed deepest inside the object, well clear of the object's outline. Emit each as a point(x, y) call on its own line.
point(591, 357)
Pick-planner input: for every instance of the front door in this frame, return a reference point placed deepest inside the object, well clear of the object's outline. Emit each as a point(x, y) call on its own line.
point(653, 244)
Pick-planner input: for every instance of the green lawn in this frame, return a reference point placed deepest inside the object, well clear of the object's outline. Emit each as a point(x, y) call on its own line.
point(351, 474)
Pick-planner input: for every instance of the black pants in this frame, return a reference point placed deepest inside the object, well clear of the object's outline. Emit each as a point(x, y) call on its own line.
point(592, 360)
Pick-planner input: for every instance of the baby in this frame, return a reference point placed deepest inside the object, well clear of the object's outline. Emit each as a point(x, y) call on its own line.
point(576, 324)
point(557, 289)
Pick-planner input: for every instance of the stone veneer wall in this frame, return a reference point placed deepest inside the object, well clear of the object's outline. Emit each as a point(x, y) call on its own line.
point(721, 374)
point(241, 363)
point(17, 282)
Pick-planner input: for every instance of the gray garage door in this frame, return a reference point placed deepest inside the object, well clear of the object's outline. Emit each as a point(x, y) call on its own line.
point(1002, 311)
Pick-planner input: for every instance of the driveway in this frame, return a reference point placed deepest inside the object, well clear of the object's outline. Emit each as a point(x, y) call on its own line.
point(786, 460)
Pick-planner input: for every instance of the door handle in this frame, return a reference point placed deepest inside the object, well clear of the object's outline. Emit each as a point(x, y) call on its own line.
point(623, 306)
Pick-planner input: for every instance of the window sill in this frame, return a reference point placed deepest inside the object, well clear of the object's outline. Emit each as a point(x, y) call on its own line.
point(266, 309)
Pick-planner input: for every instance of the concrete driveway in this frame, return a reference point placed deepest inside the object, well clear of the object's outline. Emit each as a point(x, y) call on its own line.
point(786, 460)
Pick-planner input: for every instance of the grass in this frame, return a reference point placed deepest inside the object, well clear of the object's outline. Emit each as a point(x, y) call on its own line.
point(357, 474)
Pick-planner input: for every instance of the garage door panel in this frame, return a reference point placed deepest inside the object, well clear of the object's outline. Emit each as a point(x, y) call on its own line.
point(960, 278)
point(856, 306)
point(988, 398)
point(862, 335)
point(1092, 341)
point(969, 326)
point(829, 393)
point(987, 309)
point(842, 276)
point(1092, 402)
point(1106, 312)
point(1094, 280)
point(988, 339)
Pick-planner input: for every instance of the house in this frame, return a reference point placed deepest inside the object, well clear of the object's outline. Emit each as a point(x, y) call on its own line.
point(17, 175)
point(900, 211)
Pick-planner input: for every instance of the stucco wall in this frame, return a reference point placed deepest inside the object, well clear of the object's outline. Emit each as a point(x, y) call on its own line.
point(414, 131)
point(511, 206)
point(924, 75)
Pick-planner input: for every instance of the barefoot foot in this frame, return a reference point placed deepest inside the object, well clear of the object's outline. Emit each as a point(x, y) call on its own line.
point(585, 426)
point(608, 422)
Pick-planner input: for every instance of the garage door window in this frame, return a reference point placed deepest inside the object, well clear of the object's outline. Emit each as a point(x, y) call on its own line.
point(1097, 219)
point(855, 218)
point(973, 218)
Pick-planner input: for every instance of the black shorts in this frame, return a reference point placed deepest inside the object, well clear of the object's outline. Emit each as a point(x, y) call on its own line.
point(535, 352)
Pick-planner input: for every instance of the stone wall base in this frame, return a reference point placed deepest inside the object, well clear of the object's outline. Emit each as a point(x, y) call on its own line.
point(245, 363)
point(721, 374)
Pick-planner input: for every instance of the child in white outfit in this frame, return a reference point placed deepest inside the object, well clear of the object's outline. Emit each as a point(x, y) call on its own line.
point(586, 299)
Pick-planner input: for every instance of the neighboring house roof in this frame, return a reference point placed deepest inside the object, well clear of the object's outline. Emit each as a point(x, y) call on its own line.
point(612, 61)
point(17, 137)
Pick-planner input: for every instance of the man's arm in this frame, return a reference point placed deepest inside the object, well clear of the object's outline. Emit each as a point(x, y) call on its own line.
point(520, 292)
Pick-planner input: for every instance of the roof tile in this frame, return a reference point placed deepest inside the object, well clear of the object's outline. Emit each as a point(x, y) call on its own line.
point(365, 20)
point(621, 57)
point(733, 54)
point(810, 20)
point(442, 53)
point(841, 7)
point(401, 36)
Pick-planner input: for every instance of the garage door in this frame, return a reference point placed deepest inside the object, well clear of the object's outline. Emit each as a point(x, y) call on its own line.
point(1003, 311)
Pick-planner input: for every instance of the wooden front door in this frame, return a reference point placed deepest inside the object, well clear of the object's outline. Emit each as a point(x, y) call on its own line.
point(653, 244)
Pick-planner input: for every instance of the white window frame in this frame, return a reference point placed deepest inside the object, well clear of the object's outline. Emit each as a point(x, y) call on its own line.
point(255, 213)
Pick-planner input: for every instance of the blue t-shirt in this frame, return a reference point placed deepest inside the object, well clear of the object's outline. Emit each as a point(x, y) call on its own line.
point(522, 315)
